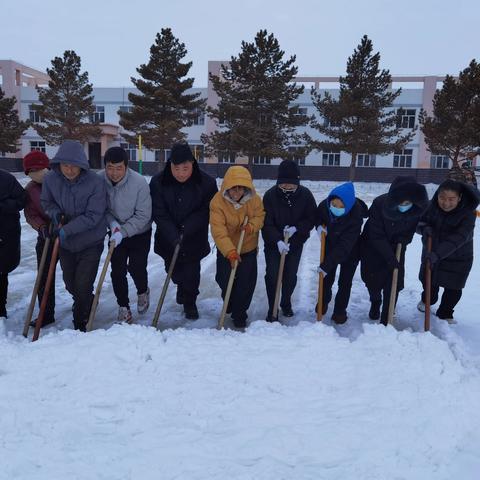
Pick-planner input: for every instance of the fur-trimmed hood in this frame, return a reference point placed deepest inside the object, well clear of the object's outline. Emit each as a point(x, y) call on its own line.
point(405, 188)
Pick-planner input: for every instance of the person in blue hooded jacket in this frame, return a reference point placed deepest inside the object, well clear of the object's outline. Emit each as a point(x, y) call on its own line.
point(75, 198)
point(341, 216)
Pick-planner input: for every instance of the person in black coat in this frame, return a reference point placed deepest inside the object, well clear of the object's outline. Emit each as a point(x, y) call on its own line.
point(341, 216)
point(181, 195)
point(450, 221)
point(290, 207)
point(392, 219)
point(12, 200)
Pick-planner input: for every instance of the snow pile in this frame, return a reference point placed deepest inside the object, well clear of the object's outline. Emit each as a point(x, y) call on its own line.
point(275, 402)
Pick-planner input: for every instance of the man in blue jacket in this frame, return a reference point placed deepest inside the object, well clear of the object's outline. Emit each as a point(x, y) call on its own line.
point(75, 199)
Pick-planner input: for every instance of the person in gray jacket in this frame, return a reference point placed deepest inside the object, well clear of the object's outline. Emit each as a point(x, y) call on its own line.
point(75, 198)
point(129, 216)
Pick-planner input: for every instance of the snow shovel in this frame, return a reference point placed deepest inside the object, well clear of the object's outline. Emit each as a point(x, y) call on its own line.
point(38, 280)
point(428, 286)
point(320, 278)
point(96, 298)
point(228, 292)
point(279, 279)
point(393, 292)
point(165, 284)
point(46, 291)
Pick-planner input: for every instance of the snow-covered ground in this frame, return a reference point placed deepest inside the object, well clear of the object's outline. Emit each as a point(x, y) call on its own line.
point(296, 401)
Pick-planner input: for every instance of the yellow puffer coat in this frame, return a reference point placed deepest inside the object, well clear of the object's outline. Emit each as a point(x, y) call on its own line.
point(226, 216)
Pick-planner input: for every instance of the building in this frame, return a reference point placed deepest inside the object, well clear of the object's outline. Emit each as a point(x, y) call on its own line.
point(417, 93)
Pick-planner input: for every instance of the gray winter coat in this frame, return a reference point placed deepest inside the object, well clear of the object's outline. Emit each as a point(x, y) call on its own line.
point(83, 201)
point(129, 203)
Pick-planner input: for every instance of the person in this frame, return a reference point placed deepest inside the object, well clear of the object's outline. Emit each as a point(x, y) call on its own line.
point(181, 195)
point(289, 208)
point(236, 200)
point(12, 200)
point(392, 219)
point(36, 165)
point(450, 221)
point(129, 215)
point(341, 216)
point(75, 199)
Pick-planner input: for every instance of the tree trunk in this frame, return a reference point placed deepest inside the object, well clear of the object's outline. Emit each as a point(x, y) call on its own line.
point(351, 172)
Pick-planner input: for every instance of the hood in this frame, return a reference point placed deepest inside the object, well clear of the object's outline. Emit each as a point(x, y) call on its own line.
point(237, 175)
point(406, 188)
point(71, 152)
point(470, 195)
point(346, 193)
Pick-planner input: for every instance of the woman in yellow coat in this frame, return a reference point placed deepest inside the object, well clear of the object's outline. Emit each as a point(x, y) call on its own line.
point(228, 208)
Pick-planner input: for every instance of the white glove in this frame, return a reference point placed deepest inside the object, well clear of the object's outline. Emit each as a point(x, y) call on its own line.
point(289, 230)
point(321, 270)
point(321, 229)
point(283, 247)
point(114, 226)
point(116, 237)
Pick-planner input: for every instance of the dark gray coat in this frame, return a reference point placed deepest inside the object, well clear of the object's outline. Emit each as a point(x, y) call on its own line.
point(83, 201)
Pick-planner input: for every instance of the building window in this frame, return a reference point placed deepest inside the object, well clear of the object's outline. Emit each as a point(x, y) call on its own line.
point(33, 114)
point(162, 155)
point(3, 154)
point(199, 119)
point(99, 115)
point(126, 108)
point(37, 145)
point(198, 152)
point(403, 158)
point(131, 150)
point(300, 111)
point(439, 161)
point(331, 123)
point(365, 160)
point(406, 118)
point(261, 160)
point(226, 157)
point(331, 159)
point(297, 155)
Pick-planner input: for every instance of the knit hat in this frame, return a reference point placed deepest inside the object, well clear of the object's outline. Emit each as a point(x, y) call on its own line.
point(115, 155)
point(288, 172)
point(180, 153)
point(35, 160)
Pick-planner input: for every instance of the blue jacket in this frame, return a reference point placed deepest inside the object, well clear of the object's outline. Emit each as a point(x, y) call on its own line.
point(83, 200)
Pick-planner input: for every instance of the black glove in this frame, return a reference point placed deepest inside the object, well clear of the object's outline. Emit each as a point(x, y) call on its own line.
point(57, 219)
point(44, 232)
point(393, 263)
point(432, 257)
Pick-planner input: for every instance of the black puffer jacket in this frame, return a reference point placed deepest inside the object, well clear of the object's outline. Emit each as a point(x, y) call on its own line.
point(12, 200)
point(452, 238)
point(182, 208)
point(294, 209)
point(386, 227)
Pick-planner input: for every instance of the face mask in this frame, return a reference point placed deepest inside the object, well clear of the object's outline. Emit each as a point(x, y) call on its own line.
point(338, 212)
point(37, 176)
point(285, 190)
point(404, 208)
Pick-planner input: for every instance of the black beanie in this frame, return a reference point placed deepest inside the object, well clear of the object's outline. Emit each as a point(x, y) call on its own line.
point(181, 153)
point(288, 172)
point(116, 155)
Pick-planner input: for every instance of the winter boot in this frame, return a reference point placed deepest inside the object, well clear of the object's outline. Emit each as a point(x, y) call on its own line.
point(124, 315)
point(46, 321)
point(143, 302)
point(240, 320)
point(287, 311)
point(448, 317)
point(339, 318)
point(324, 309)
point(270, 318)
point(374, 312)
point(82, 326)
point(180, 296)
point(191, 311)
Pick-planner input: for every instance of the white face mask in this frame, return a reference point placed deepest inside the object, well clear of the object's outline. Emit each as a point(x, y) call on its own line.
point(38, 175)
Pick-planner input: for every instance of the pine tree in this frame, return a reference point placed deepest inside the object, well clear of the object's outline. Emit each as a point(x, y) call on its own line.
point(11, 128)
point(162, 108)
point(67, 103)
point(361, 119)
point(454, 127)
point(255, 112)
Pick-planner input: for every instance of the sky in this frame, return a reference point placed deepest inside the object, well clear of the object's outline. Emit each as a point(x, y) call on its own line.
point(113, 37)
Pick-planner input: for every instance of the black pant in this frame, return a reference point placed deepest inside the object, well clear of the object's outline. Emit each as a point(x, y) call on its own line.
point(79, 272)
point(130, 256)
point(3, 294)
point(450, 298)
point(289, 280)
point(345, 278)
point(186, 275)
point(243, 285)
point(376, 296)
point(50, 308)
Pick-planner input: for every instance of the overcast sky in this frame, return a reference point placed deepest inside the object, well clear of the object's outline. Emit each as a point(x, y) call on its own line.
point(113, 37)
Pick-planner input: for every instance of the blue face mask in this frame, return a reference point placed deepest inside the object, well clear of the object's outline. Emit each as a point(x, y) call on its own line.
point(405, 208)
point(338, 212)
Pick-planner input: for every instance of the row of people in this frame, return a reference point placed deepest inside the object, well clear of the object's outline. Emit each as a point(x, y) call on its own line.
point(79, 207)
